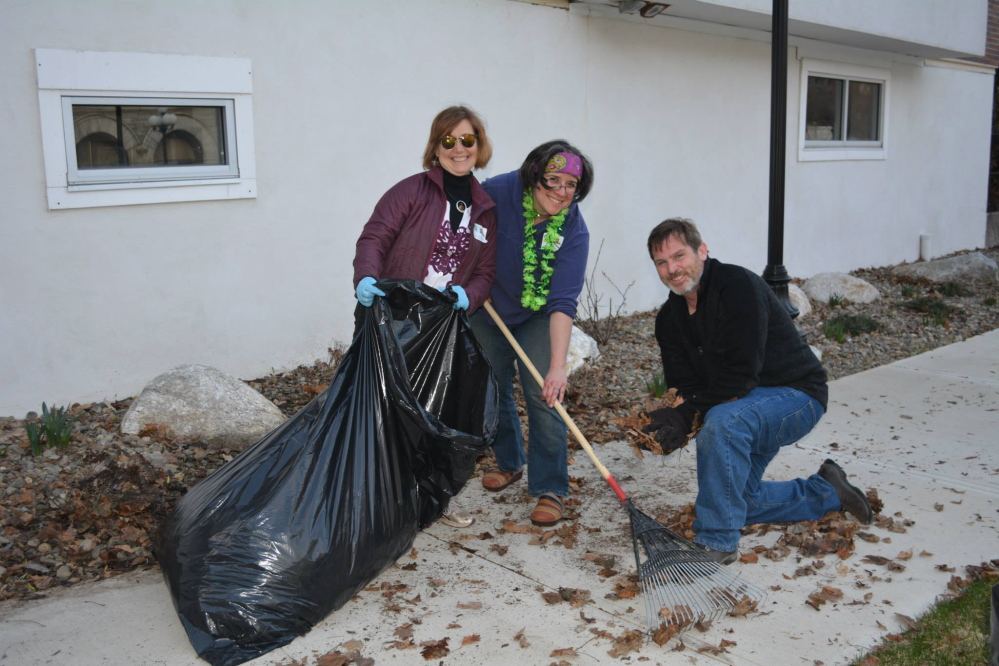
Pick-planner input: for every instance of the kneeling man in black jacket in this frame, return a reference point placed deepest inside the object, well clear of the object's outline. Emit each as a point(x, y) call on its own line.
point(732, 352)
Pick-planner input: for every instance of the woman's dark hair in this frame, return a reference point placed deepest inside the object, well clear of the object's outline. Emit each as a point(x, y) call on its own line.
point(533, 169)
point(447, 120)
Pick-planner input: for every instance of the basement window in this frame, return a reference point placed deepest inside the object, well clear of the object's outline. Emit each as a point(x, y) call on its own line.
point(843, 112)
point(137, 140)
point(140, 128)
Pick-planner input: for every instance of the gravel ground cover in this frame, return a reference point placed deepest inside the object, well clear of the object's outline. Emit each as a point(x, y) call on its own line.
point(91, 510)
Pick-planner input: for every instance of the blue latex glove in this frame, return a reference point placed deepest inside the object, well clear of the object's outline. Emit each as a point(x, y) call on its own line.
point(366, 291)
point(462, 302)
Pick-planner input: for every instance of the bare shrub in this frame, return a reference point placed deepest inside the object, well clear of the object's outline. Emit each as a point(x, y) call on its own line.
point(600, 327)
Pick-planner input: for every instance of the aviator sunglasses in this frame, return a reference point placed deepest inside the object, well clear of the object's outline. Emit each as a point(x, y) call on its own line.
point(448, 142)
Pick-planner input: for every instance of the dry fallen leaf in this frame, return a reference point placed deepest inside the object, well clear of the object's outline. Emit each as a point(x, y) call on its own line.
point(470, 605)
point(435, 649)
point(819, 597)
point(576, 598)
point(514, 528)
point(629, 641)
point(743, 607)
point(334, 658)
point(564, 652)
point(664, 633)
point(467, 640)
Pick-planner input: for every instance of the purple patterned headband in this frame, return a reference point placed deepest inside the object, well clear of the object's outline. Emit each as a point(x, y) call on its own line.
point(565, 163)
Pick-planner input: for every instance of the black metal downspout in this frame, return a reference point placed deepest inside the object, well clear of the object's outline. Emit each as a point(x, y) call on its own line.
point(775, 274)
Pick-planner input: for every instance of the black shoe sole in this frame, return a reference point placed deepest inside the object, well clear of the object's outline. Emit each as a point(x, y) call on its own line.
point(850, 496)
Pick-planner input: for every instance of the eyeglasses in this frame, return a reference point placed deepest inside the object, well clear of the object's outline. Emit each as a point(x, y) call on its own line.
point(448, 142)
point(551, 183)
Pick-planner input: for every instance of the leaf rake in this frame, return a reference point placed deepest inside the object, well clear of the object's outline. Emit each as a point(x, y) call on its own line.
point(681, 583)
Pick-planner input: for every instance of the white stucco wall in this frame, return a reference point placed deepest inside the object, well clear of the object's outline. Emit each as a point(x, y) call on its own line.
point(958, 25)
point(95, 302)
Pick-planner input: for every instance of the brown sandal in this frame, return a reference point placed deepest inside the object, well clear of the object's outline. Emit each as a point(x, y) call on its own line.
point(496, 480)
point(548, 511)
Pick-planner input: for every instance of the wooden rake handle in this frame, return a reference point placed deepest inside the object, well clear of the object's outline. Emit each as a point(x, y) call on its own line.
point(558, 405)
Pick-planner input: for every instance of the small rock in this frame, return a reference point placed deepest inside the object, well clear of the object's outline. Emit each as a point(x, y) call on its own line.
point(64, 572)
point(30, 416)
point(799, 300)
point(582, 348)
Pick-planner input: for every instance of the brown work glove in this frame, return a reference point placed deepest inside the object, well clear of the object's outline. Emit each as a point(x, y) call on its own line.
point(670, 428)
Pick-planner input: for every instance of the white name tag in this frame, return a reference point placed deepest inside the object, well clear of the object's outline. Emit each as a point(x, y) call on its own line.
point(558, 243)
point(479, 232)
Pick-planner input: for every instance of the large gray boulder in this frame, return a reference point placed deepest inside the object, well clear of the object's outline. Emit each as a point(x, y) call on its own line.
point(581, 349)
point(199, 403)
point(823, 286)
point(971, 267)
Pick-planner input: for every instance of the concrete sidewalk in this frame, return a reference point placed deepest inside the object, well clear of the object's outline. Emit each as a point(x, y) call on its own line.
point(923, 432)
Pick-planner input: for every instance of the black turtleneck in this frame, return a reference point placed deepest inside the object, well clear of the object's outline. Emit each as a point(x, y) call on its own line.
point(457, 188)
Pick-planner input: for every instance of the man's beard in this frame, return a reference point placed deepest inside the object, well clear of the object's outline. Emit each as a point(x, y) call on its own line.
point(692, 285)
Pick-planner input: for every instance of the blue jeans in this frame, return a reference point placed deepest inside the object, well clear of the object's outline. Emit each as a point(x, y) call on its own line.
point(547, 456)
point(737, 442)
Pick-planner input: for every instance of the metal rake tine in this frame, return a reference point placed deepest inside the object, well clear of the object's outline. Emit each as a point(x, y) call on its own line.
point(691, 591)
point(695, 590)
point(680, 601)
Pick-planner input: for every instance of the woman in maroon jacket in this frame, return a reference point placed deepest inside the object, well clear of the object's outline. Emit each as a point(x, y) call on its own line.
point(437, 226)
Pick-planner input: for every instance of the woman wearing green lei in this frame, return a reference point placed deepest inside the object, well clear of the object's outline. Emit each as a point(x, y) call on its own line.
point(542, 246)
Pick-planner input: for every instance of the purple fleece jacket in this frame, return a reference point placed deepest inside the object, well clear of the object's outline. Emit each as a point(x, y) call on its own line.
point(398, 240)
point(570, 259)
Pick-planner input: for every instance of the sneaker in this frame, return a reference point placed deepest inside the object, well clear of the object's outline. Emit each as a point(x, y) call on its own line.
point(851, 497)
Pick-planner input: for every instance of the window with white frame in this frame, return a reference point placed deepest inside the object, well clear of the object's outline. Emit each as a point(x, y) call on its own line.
point(136, 128)
point(130, 139)
point(843, 112)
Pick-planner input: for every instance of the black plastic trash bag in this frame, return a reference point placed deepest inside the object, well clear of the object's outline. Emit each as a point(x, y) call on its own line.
point(268, 545)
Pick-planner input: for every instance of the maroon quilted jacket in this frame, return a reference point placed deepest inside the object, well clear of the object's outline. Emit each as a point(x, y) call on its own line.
point(398, 240)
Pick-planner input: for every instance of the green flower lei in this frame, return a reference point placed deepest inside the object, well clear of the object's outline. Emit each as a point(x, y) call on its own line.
point(536, 291)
